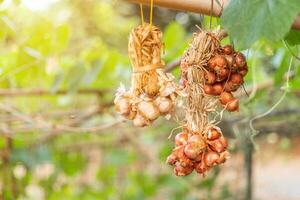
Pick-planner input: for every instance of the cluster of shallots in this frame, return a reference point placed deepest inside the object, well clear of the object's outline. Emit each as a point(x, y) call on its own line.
point(143, 109)
point(205, 72)
point(198, 151)
point(224, 75)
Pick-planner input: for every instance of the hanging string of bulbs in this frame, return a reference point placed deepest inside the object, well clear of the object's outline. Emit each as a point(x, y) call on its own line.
point(210, 73)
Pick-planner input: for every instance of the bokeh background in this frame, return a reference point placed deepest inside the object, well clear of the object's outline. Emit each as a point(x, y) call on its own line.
point(60, 64)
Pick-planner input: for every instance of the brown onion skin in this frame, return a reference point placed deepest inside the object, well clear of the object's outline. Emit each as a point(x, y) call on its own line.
point(230, 60)
point(191, 151)
point(236, 79)
point(179, 170)
point(243, 71)
point(212, 63)
point(233, 105)
point(221, 61)
point(225, 97)
point(200, 167)
point(198, 140)
point(217, 146)
point(181, 138)
point(217, 62)
point(208, 89)
point(181, 157)
point(211, 158)
point(222, 74)
point(230, 86)
point(240, 60)
point(227, 49)
point(224, 141)
point(217, 88)
point(171, 159)
point(199, 157)
point(213, 134)
point(210, 78)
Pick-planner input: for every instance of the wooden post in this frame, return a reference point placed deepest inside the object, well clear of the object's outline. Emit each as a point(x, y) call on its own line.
point(199, 6)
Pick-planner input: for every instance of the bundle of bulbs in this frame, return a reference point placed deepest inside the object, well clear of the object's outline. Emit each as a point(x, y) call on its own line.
point(209, 75)
point(198, 151)
point(153, 92)
point(224, 75)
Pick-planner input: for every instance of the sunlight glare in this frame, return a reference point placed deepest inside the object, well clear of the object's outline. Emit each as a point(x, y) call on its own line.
point(38, 5)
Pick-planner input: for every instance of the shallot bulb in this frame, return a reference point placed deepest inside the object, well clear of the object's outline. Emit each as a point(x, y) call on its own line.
point(148, 110)
point(164, 104)
point(123, 106)
point(211, 158)
point(181, 138)
point(139, 121)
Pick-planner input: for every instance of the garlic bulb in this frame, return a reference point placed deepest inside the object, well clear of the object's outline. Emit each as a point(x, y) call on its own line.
point(164, 104)
point(148, 110)
point(139, 121)
point(123, 106)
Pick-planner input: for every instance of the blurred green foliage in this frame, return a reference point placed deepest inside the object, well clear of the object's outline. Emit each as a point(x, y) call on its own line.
point(78, 44)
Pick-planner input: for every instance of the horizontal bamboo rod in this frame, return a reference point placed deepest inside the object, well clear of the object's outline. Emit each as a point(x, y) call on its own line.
point(199, 6)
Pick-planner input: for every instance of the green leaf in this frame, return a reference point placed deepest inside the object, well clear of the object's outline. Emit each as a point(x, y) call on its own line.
point(248, 21)
point(281, 60)
point(92, 74)
point(75, 77)
point(173, 35)
point(174, 40)
point(293, 37)
point(58, 80)
point(31, 158)
point(295, 82)
point(62, 36)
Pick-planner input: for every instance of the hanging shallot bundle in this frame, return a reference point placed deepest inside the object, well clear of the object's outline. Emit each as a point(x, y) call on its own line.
point(153, 92)
point(209, 74)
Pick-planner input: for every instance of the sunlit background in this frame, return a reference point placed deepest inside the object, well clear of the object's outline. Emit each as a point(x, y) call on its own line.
point(60, 64)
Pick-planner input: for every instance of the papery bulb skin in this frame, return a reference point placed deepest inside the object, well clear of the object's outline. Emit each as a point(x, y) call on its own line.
point(211, 158)
point(210, 77)
point(233, 105)
point(225, 97)
point(139, 121)
point(213, 134)
point(164, 104)
point(179, 170)
point(228, 49)
point(240, 60)
point(123, 106)
point(148, 110)
point(181, 138)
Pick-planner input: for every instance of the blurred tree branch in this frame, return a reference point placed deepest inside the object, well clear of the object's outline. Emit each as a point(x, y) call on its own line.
point(44, 92)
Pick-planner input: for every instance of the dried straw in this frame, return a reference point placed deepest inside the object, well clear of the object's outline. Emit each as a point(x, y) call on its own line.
point(203, 46)
point(144, 47)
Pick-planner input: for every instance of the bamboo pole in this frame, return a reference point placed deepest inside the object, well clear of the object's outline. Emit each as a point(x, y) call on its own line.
point(199, 6)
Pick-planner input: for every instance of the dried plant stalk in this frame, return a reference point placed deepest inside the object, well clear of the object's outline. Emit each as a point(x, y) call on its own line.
point(145, 53)
point(194, 61)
